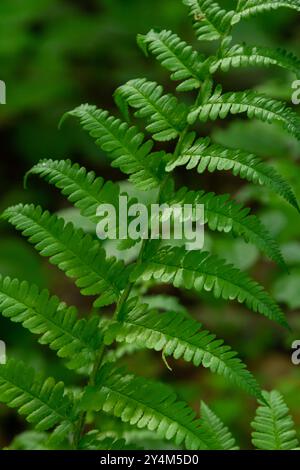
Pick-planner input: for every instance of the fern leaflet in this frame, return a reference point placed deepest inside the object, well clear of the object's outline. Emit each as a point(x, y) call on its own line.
point(248, 8)
point(44, 403)
point(176, 56)
point(273, 426)
point(203, 155)
point(167, 117)
point(180, 337)
point(225, 215)
point(213, 427)
point(74, 252)
point(254, 104)
point(145, 404)
point(211, 22)
point(245, 56)
point(76, 340)
point(124, 144)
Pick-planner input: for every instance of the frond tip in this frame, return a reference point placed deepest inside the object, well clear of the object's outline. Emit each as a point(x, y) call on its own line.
point(211, 21)
point(167, 117)
point(273, 426)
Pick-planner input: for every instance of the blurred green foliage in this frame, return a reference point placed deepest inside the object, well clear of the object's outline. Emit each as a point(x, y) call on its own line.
point(56, 54)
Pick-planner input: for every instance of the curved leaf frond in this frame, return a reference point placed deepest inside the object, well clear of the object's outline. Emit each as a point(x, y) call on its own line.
point(145, 404)
point(44, 403)
point(211, 21)
point(125, 145)
point(213, 426)
point(248, 8)
point(245, 56)
point(176, 56)
point(46, 316)
point(181, 337)
point(82, 188)
point(273, 426)
point(167, 117)
point(203, 155)
point(225, 215)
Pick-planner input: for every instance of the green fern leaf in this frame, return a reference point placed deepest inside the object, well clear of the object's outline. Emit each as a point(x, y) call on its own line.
point(44, 403)
point(176, 56)
point(145, 404)
point(245, 56)
point(176, 335)
point(203, 156)
point(76, 340)
point(82, 188)
point(211, 22)
point(201, 271)
point(254, 104)
point(225, 215)
point(74, 252)
point(248, 8)
point(213, 426)
point(124, 144)
point(94, 440)
point(273, 426)
point(167, 117)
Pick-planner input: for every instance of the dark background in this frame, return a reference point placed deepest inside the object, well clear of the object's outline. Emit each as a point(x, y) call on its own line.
point(57, 54)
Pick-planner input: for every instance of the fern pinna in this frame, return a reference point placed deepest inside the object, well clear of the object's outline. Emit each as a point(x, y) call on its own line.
point(92, 346)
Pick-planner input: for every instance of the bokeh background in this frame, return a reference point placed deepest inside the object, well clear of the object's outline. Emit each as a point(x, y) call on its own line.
point(57, 54)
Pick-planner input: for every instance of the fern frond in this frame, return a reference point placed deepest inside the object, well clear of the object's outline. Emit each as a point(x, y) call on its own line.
point(248, 8)
point(203, 156)
point(43, 403)
point(176, 335)
point(213, 427)
point(245, 56)
point(82, 188)
point(145, 404)
point(124, 145)
point(211, 22)
point(201, 271)
point(254, 104)
point(225, 215)
point(74, 252)
point(94, 440)
point(167, 117)
point(273, 426)
point(176, 56)
point(58, 325)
